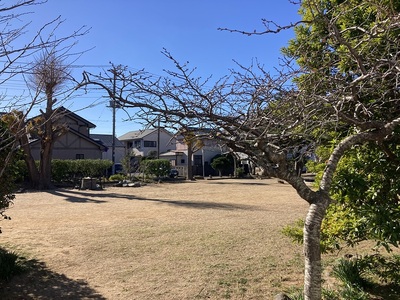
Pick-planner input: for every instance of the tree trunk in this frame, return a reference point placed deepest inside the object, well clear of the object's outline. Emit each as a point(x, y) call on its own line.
point(47, 142)
point(189, 163)
point(33, 172)
point(312, 249)
point(45, 166)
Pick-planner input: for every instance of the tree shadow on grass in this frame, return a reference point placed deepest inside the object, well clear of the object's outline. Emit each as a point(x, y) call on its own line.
point(38, 282)
point(386, 292)
point(77, 196)
point(237, 183)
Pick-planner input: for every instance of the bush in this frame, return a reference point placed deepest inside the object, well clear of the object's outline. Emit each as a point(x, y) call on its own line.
point(117, 177)
point(239, 172)
point(350, 272)
point(10, 264)
point(221, 164)
point(350, 292)
point(156, 167)
point(21, 171)
point(69, 169)
point(295, 233)
point(387, 269)
point(90, 167)
point(7, 166)
point(365, 197)
point(61, 170)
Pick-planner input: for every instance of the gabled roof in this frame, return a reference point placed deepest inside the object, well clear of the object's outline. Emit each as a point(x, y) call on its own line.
point(140, 134)
point(106, 140)
point(66, 112)
point(73, 115)
point(92, 141)
point(89, 139)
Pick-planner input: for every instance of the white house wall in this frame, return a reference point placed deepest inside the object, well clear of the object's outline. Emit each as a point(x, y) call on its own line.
point(166, 143)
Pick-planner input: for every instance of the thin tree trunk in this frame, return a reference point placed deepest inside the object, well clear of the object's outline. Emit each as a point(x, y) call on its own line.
point(312, 250)
point(189, 163)
point(45, 166)
point(30, 162)
point(47, 144)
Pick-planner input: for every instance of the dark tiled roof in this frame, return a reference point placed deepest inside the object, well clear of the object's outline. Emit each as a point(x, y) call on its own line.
point(106, 140)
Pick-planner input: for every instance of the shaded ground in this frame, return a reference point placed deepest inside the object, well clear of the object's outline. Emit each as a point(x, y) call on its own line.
point(211, 239)
point(42, 283)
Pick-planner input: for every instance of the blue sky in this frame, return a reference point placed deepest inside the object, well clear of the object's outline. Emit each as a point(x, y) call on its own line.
point(133, 33)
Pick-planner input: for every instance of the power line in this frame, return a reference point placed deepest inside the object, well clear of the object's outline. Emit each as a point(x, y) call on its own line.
point(72, 65)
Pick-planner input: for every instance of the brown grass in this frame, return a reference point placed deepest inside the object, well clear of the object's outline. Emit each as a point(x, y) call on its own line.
point(211, 239)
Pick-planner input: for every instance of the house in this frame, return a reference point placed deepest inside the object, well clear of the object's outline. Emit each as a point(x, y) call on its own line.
point(148, 142)
point(201, 158)
point(75, 143)
point(163, 144)
point(107, 141)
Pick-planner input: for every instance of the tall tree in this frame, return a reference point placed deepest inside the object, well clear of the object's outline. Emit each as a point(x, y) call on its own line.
point(18, 45)
point(49, 75)
point(194, 144)
point(348, 53)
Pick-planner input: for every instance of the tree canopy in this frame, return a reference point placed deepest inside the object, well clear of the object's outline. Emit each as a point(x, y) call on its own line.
point(221, 163)
point(7, 166)
point(340, 74)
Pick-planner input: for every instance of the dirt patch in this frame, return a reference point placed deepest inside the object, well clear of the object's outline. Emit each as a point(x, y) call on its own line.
point(209, 239)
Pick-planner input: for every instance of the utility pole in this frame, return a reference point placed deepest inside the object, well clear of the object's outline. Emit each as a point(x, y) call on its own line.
point(113, 104)
point(158, 138)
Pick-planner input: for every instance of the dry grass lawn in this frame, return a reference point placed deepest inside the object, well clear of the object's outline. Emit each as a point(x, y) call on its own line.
point(211, 239)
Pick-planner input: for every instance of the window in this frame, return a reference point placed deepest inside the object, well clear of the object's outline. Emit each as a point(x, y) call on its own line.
point(150, 144)
point(182, 161)
point(138, 144)
point(80, 156)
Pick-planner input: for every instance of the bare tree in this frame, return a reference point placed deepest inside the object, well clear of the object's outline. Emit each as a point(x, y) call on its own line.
point(17, 47)
point(194, 144)
point(49, 74)
point(348, 79)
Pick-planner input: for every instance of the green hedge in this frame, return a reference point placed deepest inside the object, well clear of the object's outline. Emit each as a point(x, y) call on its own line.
point(70, 169)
